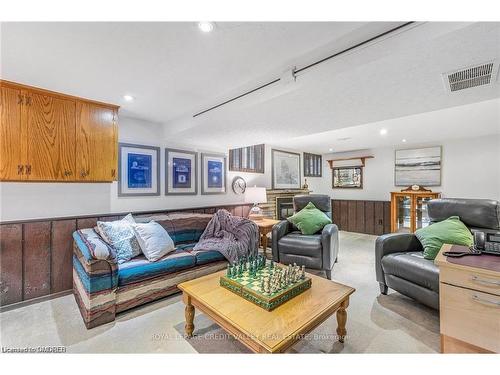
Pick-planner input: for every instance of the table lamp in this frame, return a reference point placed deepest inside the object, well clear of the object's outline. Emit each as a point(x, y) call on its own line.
point(255, 195)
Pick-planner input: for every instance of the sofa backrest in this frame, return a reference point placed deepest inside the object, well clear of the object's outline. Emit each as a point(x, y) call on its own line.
point(321, 201)
point(182, 227)
point(475, 213)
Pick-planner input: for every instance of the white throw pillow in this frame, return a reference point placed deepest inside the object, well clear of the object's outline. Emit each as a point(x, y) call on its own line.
point(153, 239)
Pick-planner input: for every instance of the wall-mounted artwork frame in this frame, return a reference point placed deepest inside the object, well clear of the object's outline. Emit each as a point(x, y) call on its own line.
point(313, 165)
point(181, 172)
point(213, 174)
point(250, 159)
point(285, 170)
point(347, 177)
point(138, 170)
point(418, 166)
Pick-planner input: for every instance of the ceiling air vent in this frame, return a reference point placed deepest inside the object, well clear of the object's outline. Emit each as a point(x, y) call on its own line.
point(473, 76)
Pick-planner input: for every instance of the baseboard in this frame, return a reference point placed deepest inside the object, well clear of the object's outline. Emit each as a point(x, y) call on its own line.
point(18, 305)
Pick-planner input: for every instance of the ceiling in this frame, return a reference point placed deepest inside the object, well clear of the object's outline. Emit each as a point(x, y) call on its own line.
point(174, 71)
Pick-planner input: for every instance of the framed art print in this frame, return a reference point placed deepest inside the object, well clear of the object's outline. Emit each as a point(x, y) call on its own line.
point(138, 170)
point(181, 172)
point(213, 174)
point(285, 170)
point(347, 177)
point(419, 166)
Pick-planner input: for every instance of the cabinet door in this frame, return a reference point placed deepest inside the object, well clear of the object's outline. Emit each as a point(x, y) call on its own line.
point(12, 135)
point(402, 213)
point(51, 137)
point(97, 140)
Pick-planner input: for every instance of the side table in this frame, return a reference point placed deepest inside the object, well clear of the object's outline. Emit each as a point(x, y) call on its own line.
point(265, 226)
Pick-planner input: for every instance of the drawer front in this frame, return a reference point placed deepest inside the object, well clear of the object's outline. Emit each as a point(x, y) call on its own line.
point(469, 279)
point(470, 316)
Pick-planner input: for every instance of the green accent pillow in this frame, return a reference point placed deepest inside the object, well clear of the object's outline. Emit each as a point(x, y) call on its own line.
point(310, 220)
point(451, 231)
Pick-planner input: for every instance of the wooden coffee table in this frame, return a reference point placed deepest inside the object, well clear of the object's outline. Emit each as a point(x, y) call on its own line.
point(266, 331)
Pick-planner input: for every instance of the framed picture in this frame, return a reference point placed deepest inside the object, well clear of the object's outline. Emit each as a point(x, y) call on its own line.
point(419, 166)
point(138, 170)
point(285, 170)
point(213, 173)
point(347, 177)
point(181, 172)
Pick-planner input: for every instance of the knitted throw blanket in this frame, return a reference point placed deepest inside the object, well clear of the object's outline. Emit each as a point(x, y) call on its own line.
point(232, 236)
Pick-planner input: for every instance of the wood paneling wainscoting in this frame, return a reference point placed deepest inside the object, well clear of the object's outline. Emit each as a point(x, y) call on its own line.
point(36, 255)
point(370, 217)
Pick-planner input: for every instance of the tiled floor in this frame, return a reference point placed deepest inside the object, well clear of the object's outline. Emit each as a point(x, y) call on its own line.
point(376, 324)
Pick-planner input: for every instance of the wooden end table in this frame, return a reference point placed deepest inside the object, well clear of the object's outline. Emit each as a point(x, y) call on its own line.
point(265, 227)
point(266, 331)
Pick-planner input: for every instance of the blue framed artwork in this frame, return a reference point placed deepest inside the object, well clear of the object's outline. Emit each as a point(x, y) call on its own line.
point(138, 170)
point(181, 172)
point(213, 174)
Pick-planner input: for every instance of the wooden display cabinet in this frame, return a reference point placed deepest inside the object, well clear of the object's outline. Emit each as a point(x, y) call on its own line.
point(409, 210)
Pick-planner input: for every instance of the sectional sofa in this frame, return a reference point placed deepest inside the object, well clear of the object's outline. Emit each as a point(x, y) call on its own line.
point(103, 288)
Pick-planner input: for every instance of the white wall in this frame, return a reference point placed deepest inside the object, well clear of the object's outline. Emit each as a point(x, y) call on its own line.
point(19, 201)
point(470, 169)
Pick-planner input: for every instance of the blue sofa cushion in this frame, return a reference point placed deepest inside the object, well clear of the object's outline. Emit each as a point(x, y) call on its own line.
point(139, 268)
point(202, 256)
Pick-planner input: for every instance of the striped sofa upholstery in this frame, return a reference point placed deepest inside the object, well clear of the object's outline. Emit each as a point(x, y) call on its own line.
point(103, 288)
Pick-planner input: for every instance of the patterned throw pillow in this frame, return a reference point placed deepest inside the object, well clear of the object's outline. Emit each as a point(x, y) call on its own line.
point(121, 236)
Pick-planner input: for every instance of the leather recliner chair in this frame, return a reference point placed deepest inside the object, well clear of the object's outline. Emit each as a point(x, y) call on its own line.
point(399, 261)
point(316, 251)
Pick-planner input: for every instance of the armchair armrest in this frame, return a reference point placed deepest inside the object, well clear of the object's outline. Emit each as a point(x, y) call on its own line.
point(393, 243)
point(279, 230)
point(330, 244)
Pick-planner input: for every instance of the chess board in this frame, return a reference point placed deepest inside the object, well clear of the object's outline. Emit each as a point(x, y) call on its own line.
point(249, 288)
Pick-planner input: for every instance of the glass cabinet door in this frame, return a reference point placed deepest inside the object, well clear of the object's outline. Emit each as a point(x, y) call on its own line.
point(403, 213)
point(421, 214)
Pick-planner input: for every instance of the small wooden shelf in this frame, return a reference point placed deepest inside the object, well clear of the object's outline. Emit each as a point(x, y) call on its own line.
point(362, 158)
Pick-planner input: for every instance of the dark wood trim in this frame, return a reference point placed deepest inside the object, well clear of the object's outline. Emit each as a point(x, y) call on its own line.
point(116, 214)
point(362, 216)
point(36, 255)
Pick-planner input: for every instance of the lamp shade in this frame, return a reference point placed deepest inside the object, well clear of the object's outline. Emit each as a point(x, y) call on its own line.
point(255, 195)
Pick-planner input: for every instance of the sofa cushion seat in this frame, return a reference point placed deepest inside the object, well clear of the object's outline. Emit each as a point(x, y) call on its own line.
point(297, 243)
point(412, 266)
point(139, 268)
point(202, 256)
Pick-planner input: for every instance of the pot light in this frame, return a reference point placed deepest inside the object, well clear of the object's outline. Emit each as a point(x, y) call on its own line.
point(330, 149)
point(383, 131)
point(403, 140)
point(206, 27)
point(128, 98)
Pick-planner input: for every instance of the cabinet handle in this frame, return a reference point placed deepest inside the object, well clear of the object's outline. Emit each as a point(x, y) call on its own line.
point(28, 100)
point(68, 173)
point(20, 99)
point(20, 169)
point(485, 281)
point(28, 169)
point(82, 173)
point(475, 297)
point(113, 172)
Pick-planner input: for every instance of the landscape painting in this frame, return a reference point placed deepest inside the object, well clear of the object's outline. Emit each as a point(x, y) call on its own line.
point(421, 166)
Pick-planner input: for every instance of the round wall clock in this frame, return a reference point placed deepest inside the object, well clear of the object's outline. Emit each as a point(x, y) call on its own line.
point(239, 185)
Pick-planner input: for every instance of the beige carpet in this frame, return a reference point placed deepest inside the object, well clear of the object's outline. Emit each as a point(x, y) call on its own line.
point(375, 323)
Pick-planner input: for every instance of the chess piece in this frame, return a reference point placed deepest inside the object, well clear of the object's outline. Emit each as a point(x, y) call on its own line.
point(228, 271)
point(303, 276)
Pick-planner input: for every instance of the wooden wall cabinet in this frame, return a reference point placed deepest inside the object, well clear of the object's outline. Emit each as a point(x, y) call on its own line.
point(409, 210)
point(47, 136)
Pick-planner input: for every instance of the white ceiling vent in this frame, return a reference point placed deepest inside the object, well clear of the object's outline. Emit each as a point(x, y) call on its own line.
point(478, 75)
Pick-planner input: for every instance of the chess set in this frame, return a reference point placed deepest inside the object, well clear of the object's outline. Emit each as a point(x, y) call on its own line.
point(265, 283)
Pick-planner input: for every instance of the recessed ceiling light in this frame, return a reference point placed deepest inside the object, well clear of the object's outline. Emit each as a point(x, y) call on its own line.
point(206, 27)
point(128, 98)
point(403, 140)
point(383, 131)
point(330, 149)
